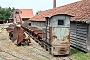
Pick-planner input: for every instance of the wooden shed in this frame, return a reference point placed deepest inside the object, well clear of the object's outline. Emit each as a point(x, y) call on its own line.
point(79, 36)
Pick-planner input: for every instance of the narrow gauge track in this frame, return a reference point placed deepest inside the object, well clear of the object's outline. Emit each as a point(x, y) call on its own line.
point(57, 58)
point(7, 53)
point(2, 58)
point(29, 48)
point(11, 54)
point(63, 58)
point(32, 55)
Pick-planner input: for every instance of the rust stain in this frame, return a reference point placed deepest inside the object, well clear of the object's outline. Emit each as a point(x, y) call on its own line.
point(63, 39)
point(54, 37)
point(50, 35)
point(62, 50)
point(64, 43)
point(68, 37)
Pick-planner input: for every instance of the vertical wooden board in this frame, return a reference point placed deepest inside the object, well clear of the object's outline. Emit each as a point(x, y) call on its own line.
point(88, 38)
point(78, 32)
point(73, 34)
point(82, 36)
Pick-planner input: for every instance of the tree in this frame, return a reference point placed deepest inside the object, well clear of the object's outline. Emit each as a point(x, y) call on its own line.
point(5, 13)
point(12, 9)
point(0, 7)
point(1, 17)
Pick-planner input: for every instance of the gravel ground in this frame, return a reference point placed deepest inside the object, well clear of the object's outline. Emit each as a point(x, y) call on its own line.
point(9, 51)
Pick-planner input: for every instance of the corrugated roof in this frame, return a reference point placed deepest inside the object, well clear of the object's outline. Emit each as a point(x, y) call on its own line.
point(79, 9)
point(26, 13)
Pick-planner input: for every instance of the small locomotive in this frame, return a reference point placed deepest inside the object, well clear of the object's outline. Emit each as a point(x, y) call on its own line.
point(55, 36)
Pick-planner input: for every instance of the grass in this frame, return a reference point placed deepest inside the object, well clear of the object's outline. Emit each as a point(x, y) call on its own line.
point(78, 55)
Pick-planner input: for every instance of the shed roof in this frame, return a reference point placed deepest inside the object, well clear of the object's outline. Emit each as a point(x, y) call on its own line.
point(26, 13)
point(79, 9)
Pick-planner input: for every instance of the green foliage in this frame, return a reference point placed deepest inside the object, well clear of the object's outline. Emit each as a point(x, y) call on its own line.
point(5, 12)
point(79, 55)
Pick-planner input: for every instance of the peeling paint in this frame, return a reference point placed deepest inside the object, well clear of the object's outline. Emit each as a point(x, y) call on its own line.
point(54, 37)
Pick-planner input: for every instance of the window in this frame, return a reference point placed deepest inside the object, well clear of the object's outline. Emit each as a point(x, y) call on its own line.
point(17, 12)
point(60, 22)
point(29, 24)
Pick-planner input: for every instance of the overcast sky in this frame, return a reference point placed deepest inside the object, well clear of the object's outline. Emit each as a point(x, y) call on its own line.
point(36, 5)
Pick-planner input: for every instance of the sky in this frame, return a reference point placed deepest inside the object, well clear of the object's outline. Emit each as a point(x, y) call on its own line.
point(36, 5)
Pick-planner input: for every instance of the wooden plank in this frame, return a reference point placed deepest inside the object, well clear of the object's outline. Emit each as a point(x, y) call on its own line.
point(84, 30)
point(81, 48)
point(83, 41)
point(81, 35)
point(73, 35)
point(73, 39)
point(81, 44)
point(72, 32)
point(73, 45)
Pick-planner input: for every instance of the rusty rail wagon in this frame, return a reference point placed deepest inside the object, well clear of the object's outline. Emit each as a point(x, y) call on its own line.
point(16, 32)
point(55, 36)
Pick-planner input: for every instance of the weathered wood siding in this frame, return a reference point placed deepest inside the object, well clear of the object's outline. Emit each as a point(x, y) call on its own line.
point(73, 34)
point(88, 39)
point(78, 35)
point(39, 24)
point(27, 22)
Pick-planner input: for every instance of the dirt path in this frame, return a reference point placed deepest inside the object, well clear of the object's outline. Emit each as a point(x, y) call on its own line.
point(9, 51)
